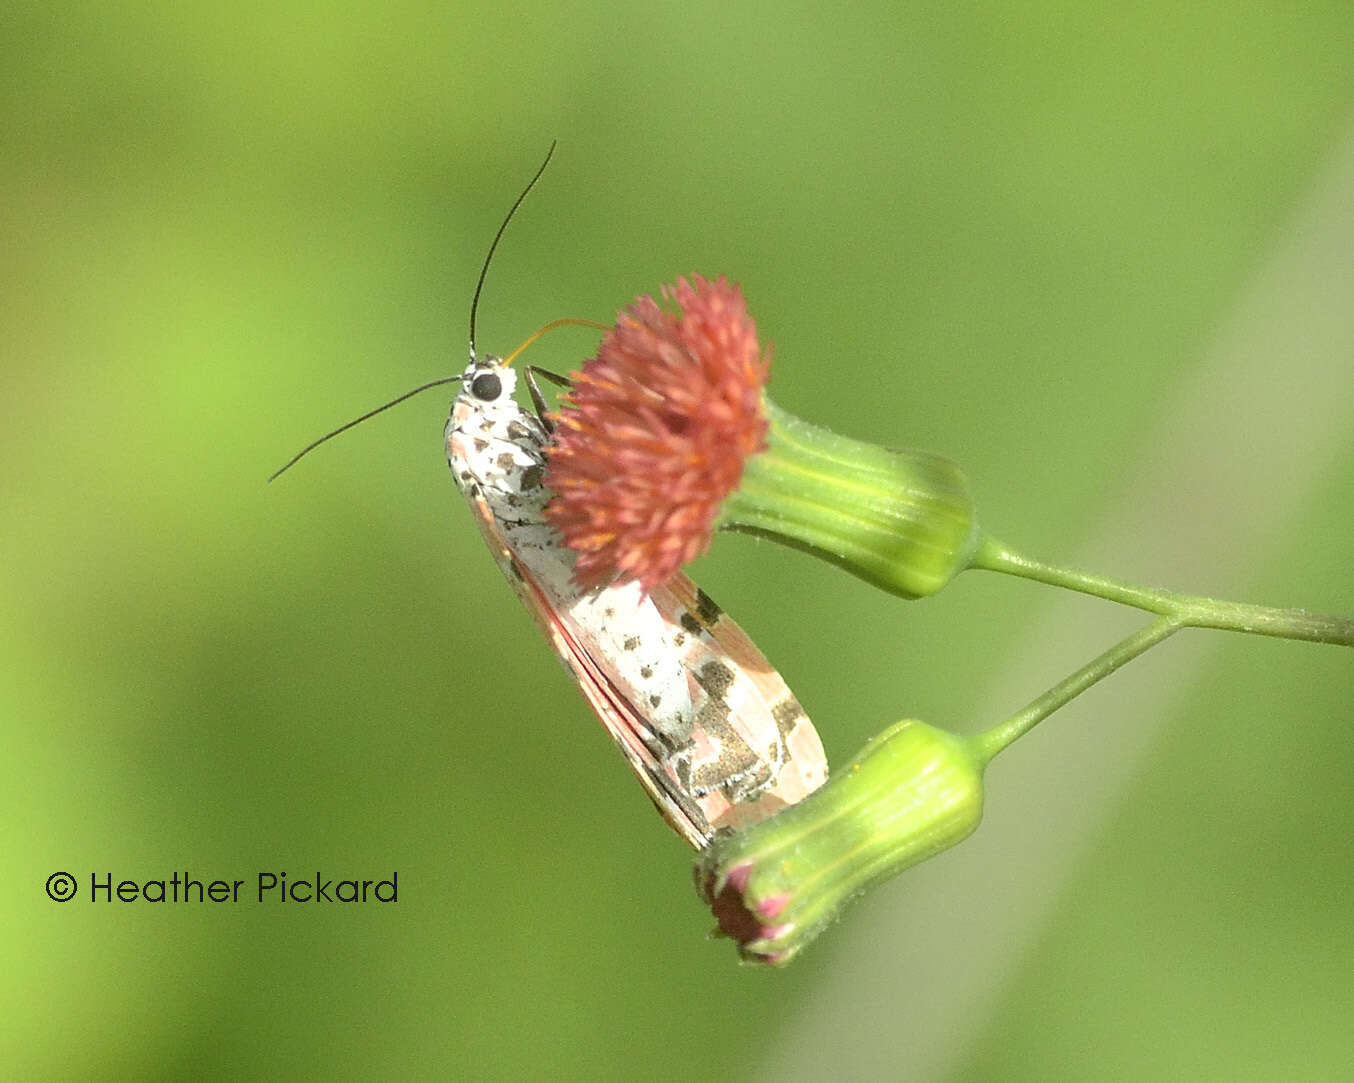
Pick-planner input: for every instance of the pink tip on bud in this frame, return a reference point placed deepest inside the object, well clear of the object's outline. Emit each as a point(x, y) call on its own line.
point(769, 908)
point(773, 886)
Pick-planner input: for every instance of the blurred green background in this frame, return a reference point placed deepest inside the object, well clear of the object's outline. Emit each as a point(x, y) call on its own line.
point(1101, 257)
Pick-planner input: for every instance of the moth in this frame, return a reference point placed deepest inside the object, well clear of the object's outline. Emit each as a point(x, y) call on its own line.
point(708, 727)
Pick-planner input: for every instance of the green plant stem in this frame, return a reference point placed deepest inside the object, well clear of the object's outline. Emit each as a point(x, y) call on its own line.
point(987, 744)
point(1188, 610)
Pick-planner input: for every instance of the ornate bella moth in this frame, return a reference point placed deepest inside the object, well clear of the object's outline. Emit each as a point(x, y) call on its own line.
point(709, 728)
point(707, 725)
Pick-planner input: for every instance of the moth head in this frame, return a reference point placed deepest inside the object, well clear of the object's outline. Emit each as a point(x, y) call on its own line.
point(488, 381)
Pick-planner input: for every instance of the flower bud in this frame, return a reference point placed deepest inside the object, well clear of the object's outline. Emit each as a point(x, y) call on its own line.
point(912, 792)
point(900, 519)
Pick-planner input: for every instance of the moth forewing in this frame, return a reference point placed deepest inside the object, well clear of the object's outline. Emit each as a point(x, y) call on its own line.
point(709, 727)
point(629, 730)
point(757, 745)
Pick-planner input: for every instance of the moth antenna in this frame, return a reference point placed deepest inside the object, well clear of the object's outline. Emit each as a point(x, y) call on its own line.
point(474, 306)
point(357, 421)
point(475, 301)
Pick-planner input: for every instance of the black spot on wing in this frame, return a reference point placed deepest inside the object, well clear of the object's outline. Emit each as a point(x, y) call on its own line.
point(505, 461)
point(713, 716)
point(748, 784)
point(680, 767)
point(532, 478)
point(691, 624)
point(787, 713)
point(706, 610)
point(631, 642)
point(518, 431)
point(716, 678)
point(737, 770)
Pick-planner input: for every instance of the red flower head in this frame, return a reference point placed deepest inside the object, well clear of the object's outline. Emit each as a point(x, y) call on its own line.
point(653, 435)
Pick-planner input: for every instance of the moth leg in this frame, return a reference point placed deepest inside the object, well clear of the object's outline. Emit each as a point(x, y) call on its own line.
point(554, 377)
point(534, 390)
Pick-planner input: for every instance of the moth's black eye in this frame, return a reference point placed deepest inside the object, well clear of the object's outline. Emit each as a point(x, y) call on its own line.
point(486, 386)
